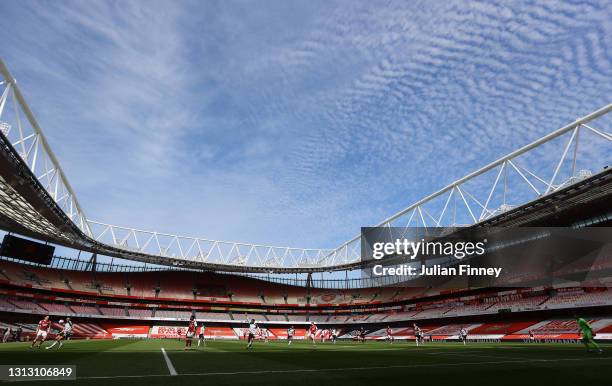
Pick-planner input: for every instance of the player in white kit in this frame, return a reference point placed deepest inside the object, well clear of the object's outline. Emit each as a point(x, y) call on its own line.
point(290, 333)
point(418, 334)
point(66, 333)
point(253, 329)
point(464, 335)
point(201, 339)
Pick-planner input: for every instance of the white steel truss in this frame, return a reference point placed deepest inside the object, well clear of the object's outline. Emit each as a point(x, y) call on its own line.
point(18, 124)
point(205, 251)
point(565, 156)
point(560, 159)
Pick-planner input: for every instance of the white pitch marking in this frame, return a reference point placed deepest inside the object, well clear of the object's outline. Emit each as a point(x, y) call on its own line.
point(168, 362)
point(345, 368)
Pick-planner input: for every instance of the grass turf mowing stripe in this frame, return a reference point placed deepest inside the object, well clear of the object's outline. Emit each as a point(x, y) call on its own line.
point(171, 368)
point(366, 368)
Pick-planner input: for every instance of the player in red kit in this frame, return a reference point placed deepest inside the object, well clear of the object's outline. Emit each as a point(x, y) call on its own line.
point(191, 330)
point(312, 331)
point(41, 331)
point(389, 334)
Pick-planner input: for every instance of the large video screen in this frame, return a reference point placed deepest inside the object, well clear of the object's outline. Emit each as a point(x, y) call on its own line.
point(25, 249)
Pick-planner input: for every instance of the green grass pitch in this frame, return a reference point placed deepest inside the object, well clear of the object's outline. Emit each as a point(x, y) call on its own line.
point(141, 362)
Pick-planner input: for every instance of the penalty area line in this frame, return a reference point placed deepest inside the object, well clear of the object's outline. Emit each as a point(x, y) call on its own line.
point(171, 368)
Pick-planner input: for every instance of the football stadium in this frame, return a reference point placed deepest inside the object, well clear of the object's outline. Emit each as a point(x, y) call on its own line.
point(494, 271)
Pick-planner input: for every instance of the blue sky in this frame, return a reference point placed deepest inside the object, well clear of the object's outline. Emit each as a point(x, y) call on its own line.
point(294, 122)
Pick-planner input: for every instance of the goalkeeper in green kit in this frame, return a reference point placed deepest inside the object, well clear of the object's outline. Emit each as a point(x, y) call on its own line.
point(587, 334)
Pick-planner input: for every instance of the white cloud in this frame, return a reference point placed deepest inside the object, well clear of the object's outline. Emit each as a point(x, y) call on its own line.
point(295, 123)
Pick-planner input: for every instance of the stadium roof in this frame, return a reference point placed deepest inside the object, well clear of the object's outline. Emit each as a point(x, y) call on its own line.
point(37, 200)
